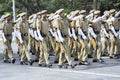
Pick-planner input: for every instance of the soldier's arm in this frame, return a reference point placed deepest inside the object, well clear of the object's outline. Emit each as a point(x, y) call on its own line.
point(39, 25)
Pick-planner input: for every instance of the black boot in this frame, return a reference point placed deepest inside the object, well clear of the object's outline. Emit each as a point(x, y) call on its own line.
point(13, 61)
point(31, 62)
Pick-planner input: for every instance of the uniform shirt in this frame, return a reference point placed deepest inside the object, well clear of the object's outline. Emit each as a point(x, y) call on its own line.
point(55, 23)
point(23, 26)
point(97, 23)
point(8, 27)
point(65, 26)
point(45, 26)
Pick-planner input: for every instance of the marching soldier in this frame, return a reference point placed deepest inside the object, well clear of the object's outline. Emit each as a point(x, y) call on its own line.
point(8, 29)
point(94, 36)
point(31, 36)
point(24, 29)
point(62, 32)
point(113, 34)
point(72, 35)
point(105, 40)
point(82, 28)
point(34, 48)
point(43, 28)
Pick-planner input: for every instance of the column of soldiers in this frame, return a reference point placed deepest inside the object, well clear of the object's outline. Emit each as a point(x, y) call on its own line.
point(63, 35)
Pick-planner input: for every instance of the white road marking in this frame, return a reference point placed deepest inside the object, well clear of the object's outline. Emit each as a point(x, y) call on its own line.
point(80, 72)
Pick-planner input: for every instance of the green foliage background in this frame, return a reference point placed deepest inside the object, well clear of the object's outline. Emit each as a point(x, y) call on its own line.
point(33, 6)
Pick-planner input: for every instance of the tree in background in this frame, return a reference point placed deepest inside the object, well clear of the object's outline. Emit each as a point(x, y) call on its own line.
point(33, 6)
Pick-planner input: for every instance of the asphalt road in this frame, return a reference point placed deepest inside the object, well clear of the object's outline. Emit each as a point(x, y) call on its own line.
point(109, 70)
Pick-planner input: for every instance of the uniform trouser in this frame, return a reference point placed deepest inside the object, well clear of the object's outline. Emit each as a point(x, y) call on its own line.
point(57, 50)
point(73, 46)
point(105, 44)
point(83, 50)
point(65, 53)
point(96, 45)
point(114, 43)
point(8, 49)
point(32, 44)
point(97, 52)
point(18, 43)
point(37, 49)
point(44, 55)
point(51, 43)
point(70, 42)
point(24, 49)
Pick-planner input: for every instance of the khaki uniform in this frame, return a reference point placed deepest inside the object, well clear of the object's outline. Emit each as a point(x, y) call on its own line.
point(24, 27)
point(35, 43)
point(97, 50)
point(105, 38)
point(8, 29)
point(114, 41)
point(73, 43)
point(44, 29)
point(55, 25)
point(32, 40)
point(82, 24)
point(65, 47)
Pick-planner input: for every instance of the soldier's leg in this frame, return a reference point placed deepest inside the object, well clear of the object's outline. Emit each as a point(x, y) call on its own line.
point(41, 54)
point(25, 47)
point(94, 44)
point(45, 52)
point(62, 52)
point(37, 50)
point(85, 53)
point(90, 48)
point(10, 53)
point(80, 49)
point(36, 59)
point(5, 52)
point(57, 52)
point(75, 54)
point(103, 40)
point(99, 50)
point(112, 45)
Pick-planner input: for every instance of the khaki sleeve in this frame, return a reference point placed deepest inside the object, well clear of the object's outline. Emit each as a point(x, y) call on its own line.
point(39, 24)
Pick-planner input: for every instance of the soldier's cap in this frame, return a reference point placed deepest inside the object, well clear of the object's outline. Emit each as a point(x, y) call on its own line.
point(76, 12)
point(82, 11)
point(23, 14)
point(97, 12)
point(7, 15)
point(60, 11)
point(31, 16)
point(72, 12)
point(43, 11)
point(18, 15)
point(112, 11)
point(92, 11)
point(39, 13)
point(106, 12)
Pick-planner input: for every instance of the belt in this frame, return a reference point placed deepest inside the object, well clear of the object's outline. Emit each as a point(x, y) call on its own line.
point(43, 35)
point(34, 29)
point(25, 34)
point(8, 35)
point(97, 32)
point(85, 32)
point(116, 30)
point(64, 36)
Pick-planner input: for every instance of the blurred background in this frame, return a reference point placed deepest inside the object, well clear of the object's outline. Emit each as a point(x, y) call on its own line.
point(33, 6)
